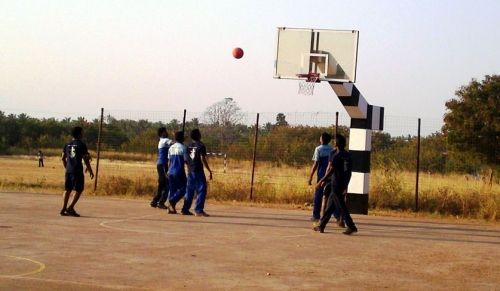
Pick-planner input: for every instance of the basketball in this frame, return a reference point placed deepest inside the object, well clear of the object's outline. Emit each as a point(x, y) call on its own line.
point(237, 53)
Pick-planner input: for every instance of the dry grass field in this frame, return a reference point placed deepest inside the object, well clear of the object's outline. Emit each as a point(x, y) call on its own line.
point(389, 190)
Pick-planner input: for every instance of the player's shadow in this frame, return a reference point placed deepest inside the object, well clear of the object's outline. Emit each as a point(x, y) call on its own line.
point(98, 217)
point(432, 229)
point(260, 218)
point(205, 221)
point(425, 232)
point(439, 239)
point(376, 228)
point(261, 213)
point(390, 219)
point(231, 221)
point(364, 232)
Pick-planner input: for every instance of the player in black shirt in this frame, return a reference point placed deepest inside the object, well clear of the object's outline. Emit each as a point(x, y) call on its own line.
point(340, 171)
point(73, 153)
point(196, 181)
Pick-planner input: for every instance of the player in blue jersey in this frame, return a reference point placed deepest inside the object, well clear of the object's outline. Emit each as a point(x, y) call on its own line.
point(340, 171)
point(161, 167)
point(320, 163)
point(177, 157)
point(196, 180)
point(73, 153)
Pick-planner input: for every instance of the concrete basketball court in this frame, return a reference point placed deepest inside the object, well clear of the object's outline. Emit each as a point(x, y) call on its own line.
point(125, 244)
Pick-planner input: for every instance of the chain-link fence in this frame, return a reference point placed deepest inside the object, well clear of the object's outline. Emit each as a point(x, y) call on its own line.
point(285, 145)
point(283, 155)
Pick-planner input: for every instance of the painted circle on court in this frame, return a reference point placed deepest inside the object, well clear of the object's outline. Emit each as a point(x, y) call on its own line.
point(15, 266)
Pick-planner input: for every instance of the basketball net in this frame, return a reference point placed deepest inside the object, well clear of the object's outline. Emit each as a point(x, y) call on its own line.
point(306, 87)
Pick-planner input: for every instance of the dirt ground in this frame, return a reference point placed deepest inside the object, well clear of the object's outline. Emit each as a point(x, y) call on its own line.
point(125, 244)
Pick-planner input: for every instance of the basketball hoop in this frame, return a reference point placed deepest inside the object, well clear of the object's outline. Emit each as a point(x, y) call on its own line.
point(306, 87)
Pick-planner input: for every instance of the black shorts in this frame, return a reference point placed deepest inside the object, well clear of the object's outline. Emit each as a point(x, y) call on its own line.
point(74, 181)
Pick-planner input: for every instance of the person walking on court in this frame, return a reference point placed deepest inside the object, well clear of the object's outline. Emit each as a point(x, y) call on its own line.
point(196, 180)
point(320, 163)
point(73, 153)
point(161, 167)
point(40, 157)
point(340, 170)
point(177, 157)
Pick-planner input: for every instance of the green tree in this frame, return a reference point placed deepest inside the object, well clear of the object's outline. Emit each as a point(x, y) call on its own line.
point(3, 131)
point(174, 125)
point(267, 127)
point(281, 120)
point(472, 120)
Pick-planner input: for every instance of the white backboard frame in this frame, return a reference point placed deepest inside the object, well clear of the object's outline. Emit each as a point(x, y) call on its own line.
point(297, 48)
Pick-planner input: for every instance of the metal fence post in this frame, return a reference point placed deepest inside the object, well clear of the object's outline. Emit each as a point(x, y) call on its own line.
point(184, 121)
point(336, 123)
point(98, 150)
point(418, 167)
point(225, 163)
point(254, 155)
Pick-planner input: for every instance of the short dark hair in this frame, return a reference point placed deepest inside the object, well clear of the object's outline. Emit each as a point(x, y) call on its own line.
point(195, 134)
point(179, 136)
point(76, 132)
point(340, 141)
point(161, 130)
point(326, 137)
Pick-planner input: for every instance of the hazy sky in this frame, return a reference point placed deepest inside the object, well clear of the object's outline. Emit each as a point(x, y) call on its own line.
point(78, 56)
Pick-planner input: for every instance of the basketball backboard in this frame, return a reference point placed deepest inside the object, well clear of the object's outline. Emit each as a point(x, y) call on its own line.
point(331, 53)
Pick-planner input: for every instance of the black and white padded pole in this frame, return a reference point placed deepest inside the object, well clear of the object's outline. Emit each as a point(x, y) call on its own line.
point(364, 119)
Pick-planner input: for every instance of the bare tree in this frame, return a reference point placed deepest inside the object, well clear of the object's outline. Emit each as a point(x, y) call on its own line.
point(223, 113)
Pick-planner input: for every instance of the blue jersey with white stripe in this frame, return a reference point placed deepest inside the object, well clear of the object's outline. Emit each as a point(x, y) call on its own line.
point(321, 154)
point(163, 146)
point(177, 156)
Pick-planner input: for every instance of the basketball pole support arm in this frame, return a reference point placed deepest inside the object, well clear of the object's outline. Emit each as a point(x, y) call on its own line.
point(364, 119)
